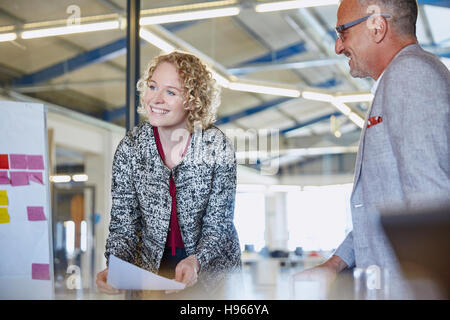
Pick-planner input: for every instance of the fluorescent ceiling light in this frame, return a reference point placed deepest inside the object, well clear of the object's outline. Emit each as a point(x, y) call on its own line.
point(304, 131)
point(70, 236)
point(60, 178)
point(284, 188)
point(302, 152)
point(252, 156)
point(357, 97)
point(239, 86)
point(189, 16)
point(342, 107)
point(167, 47)
point(185, 7)
point(250, 188)
point(317, 96)
point(80, 177)
point(156, 41)
point(356, 119)
point(8, 36)
point(222, 81)
point(83, 236)
point(289, 5)
point(58, 31)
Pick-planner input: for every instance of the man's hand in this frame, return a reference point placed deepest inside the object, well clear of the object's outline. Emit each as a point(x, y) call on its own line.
point(186, 272)
point(325, 273)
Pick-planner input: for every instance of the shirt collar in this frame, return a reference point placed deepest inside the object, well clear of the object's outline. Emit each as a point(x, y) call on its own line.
point(375, 86)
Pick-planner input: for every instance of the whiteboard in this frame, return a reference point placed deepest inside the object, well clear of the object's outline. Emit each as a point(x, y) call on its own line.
point(26, 259)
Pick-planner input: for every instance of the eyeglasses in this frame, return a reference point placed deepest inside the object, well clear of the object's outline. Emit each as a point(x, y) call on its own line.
point(340, 29)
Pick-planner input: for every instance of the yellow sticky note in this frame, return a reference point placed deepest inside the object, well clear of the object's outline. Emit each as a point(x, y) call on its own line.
point(4, 216)
point(3, 198)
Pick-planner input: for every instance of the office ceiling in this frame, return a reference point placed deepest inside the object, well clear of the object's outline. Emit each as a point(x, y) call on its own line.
point(86, 72)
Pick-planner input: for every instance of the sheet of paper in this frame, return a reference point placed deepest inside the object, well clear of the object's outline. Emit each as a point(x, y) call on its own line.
point(124, 275)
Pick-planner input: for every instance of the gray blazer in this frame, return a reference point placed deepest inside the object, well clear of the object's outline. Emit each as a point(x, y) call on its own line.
point(403, 161)
point(205, 181)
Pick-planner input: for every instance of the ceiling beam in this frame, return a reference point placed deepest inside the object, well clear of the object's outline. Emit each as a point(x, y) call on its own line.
point(310, 122)
point(278, 55)
point(439, 3)
point(97, 55)
point(84, 59)
point(250, 111)
point(252, 68)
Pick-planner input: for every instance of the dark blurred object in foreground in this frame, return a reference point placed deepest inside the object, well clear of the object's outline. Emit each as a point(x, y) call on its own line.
point(421, 241)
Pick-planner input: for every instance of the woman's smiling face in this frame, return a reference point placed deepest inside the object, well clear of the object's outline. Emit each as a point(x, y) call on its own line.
point(164, 98)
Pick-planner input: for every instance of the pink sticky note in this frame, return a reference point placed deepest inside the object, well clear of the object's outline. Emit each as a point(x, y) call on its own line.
point(40, 271)
point(18, 161)
point(35, 162)
point(35, 213)
point(19, 178)
point(4, 177)
point(35, 177)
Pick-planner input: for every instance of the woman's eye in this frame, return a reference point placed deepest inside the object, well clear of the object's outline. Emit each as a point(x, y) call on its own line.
point(152, 87)
point(170, 93)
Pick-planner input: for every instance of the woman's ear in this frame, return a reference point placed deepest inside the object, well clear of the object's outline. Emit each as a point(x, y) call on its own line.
point(188, 105)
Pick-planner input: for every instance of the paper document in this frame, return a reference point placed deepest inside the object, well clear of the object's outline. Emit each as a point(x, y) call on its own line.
point(124, 275)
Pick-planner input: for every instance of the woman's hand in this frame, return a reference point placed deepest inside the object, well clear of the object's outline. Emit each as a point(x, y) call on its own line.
point(186, 272)
point(102, 286)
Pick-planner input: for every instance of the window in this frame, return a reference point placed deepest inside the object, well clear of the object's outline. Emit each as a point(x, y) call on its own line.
point(318, 217)
point(249, 219)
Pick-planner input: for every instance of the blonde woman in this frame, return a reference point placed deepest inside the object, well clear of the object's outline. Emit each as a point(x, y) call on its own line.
point(174, 181)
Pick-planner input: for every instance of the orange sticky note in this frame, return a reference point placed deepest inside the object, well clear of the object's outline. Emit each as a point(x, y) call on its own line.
point(4, 216)
point(3, 198)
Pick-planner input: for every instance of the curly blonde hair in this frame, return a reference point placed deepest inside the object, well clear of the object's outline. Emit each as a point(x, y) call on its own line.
point(202, 94)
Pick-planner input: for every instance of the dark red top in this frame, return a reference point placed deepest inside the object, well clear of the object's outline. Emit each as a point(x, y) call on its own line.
point(174, 239)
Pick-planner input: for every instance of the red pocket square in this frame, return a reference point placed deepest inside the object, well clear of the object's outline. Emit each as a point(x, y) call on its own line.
point(374, 121)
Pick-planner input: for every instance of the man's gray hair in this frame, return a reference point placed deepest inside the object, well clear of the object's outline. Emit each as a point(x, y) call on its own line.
point(404, 14)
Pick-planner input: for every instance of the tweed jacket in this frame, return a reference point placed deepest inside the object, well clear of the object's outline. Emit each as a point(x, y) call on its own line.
point(205, 181)
point(403, 159)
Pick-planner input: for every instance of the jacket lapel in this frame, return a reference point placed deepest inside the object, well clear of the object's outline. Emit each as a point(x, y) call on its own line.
point(363, 133)
point(360, 153)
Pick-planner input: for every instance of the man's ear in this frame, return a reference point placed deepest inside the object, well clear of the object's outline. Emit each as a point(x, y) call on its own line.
point(378, 27)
